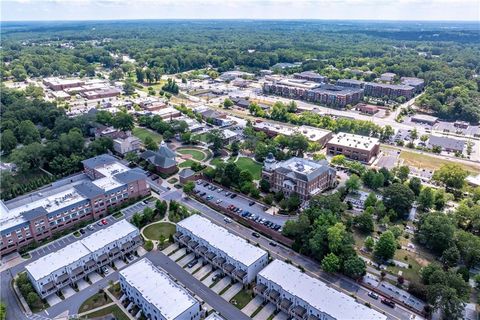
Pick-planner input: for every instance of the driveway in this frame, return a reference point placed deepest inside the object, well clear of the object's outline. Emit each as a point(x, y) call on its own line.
point(119, 263)
point(168, 250)
point(281, 316)
point(185, 260)
point(266, 312)
point(222, 284)
point(94, 277)
point(194, 267)
point(252, 305)
point(208, 280)
point(68, 292)
point(203, 271)
point(82, 284)
point(177, 255)
point(232, 291)
point(53, 299)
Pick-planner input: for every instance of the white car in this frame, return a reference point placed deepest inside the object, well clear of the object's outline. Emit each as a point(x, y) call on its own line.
point(227, 220)
point(219, 201)
point(105, 270)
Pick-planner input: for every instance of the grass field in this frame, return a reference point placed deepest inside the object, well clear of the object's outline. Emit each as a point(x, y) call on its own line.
point(114, 310)
point(142, 133)
point(216, 161)
point(157, 86)
point(241, 299)
point(186, 164)
point(428, 162)
point(201, 137)
point(254, 167)
point(95, 301)
point(196, 154)
point(155, 230)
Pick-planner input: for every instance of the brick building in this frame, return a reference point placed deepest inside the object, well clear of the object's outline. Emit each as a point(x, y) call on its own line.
point(354, 147)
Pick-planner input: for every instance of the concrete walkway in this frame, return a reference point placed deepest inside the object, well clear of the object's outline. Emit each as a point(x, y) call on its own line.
point(252, 305)
point(96, 309)
point(119, 304)
point(232, 291)
point(265, 312)
point(203, 271)
point(281, 316)
point(170, 249)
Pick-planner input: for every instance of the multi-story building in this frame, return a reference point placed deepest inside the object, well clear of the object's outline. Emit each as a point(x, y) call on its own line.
point(128, 144)
point(107, 92)
point(392, 91)
point(446, 144)
point(310, 76)
point(303, 297)
point(157, 295)
point(321, 136)
point(58, 84)
point(417, 83)
point(231, 254)
point(351, 83)
point(39, 215)
point(298, 176)
point(326, 94)
point(354, 147)
point(76, 261)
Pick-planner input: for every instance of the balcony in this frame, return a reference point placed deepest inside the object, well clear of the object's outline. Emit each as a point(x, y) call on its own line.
point(115, 252)
point(273, 296)
point(298, 312)
point(201, 250)
point(89, 266)
point(312, 317)
point(192, 244)
point(285, 305)
point(48, 288)
point(210, 256)
point(218, 261)
point(260, 289)
point(102, 260)
point(240, 275)
point(228, 268)
point(77, 273)
point(177, 236)
point(184, 240)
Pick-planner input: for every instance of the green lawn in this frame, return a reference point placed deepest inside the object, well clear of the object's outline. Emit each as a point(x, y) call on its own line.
point(254, 167)
point(186, 164)
point(196, 154)
point(216, 161)
point(201, 137)
point(155, 230)
point(142, 133)
point(95, 301)
point(241, 299)
point(114, 310)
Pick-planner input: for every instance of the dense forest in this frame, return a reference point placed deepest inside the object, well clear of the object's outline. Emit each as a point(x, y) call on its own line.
point(446, 55)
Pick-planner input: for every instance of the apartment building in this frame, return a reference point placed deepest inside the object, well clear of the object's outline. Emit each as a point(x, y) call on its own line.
point(303, 297)
point(392, 91)
point(76, 261)
point(231, 254)
point(299, 176)
point(354, 147)
point(326, 94)
point(310, 76)
point(157, 295)
point(321, 136)
point(39, 215)
point(417, 83)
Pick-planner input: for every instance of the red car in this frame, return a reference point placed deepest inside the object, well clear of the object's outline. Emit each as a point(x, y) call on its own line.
point(105, 222)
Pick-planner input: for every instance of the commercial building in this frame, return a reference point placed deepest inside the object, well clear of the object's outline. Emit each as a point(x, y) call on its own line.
point(417, 83)
point(57, 84)
point(232, 75)
point(303, 297)
point(310, 76)
point(298, 176)
point(164, 159)
point(446, 143)
point(424, 118)
point(326, 94)
point(392, 91)
point(367, 108)
point(354, 147)
point(321, 136)
point(128, 144)
point(38, 216)
point(104, 92)
point(231, 254)
point(156, 294)
point(76, 261)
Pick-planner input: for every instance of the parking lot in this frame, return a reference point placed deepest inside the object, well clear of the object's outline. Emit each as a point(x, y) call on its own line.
point(223, 198)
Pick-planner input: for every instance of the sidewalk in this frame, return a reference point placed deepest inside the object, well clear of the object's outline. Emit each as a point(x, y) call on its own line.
point(115, 300)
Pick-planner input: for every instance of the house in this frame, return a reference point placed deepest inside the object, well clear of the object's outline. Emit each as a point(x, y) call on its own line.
point(229, 136)
point(163, 159)
point(215, 117)
point(300, 176)
point(128, 144)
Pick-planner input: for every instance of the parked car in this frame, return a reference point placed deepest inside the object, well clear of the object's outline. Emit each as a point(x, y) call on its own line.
point(105, 270)
point(206, 184)
point(104, 222)
point(91, 228)
point(199, 181)
point(255, 234)
point(233, 195)
point(219, 190)
point(227, 193)
point(388, 302)
point(202, 194)
point(373, 295)
point(82, 231)
point(251, 203)
point(216, 277)
point(130, 257)
point(100, 223)
point(273, 244)
point(227, 220)
point(192, 263)
point(219, 201)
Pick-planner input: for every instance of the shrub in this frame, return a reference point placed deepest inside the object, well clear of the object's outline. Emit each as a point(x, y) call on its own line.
point(148, 245)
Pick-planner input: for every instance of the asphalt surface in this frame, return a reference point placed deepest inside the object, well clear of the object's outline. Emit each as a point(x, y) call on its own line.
point(240, 202)
point(222, 306)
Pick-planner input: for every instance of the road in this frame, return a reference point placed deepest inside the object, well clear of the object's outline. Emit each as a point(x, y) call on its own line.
point(312, 267)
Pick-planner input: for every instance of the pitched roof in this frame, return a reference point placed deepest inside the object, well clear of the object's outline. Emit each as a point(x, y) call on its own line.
point(130, 175)
point(187, 172)
point(99, 160)
point(89, 189)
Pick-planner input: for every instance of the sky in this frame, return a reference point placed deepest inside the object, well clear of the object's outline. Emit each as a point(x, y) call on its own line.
point(17, 10)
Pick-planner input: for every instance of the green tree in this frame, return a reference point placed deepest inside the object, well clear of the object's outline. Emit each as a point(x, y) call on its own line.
point(8, 141)
point(227, 103)
point(123, 121)
point(415, 184)
point(354, 267)
point(398, 198)
point(265, 185)
point(385, 246)
point(215, 139)
point(452, 175)
point(371, 200)
point(188, 187)
point(364, 222)
point(402, 173)
point(3, 311)
point(353, 183)
point(369, 243)
point(426, 199)
point(27, 132)
point(128, 87)
point(140, 73)
point(150, 144)
point(331, 263)
point(436, 231)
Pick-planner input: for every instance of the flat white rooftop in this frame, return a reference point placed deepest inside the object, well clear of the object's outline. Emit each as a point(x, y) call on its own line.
point(107, 183)
point(158, 288)
point(112, 169)
point(56, 260)
point(354, 141)
point(311, 133)
point(235, 247)
point(316, 293)
point(108, 235)
point(79, 249)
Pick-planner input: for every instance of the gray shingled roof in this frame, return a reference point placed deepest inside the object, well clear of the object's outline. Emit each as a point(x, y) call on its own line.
point(130, 175)
point(89, 190)
point(159, 159)
point(99, 161)
point(35, 213)
point(187, 172)
point(446, 143)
